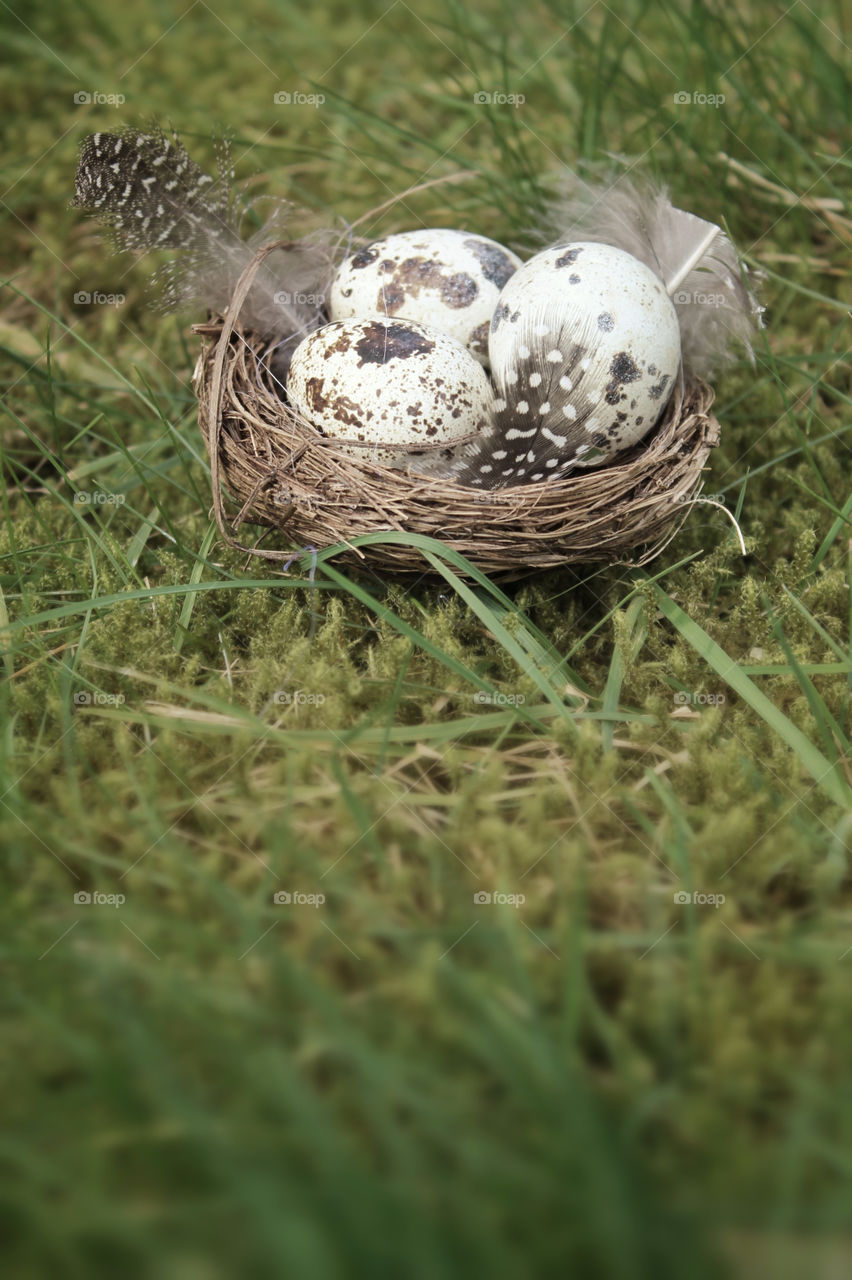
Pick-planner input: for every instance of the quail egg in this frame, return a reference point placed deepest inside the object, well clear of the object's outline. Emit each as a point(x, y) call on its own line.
point(441, 277)
point(390, 384)
point(584, 349)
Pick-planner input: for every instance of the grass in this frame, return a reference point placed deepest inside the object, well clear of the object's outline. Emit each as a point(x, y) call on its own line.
point(586, 1073)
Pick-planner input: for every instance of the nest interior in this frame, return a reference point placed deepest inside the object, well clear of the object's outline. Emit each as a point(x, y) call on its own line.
point(282, 473)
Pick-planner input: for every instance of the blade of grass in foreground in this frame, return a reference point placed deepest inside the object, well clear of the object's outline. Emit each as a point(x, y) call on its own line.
point(487, 616)
point(826, 774)
point(211, 724)
point(416, 637)
point(538, 646)
point(637, 631)
point(437, 554)
point(147, 593)
point(829, 730)
point(182, 629)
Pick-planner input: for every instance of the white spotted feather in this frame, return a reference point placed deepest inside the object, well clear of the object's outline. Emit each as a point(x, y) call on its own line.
point(560, 405)
point(145, 187)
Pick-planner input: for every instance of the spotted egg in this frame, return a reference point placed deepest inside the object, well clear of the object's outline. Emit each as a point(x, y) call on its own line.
point(449, 279)
point(388, 386)
point(584, 350)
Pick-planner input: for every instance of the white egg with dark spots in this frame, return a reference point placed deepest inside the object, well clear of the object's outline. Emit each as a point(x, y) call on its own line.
point(584, 350)
point(389, 385)
point(441, 277)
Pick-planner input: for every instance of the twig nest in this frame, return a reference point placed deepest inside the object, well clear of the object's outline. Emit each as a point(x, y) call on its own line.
point(281, 473)
point(525, 487)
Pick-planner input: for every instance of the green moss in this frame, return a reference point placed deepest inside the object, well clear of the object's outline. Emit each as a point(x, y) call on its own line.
point(599, 1079)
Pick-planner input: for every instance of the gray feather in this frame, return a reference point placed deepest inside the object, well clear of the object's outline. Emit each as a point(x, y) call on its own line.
point(698, 263)
point(716, 310)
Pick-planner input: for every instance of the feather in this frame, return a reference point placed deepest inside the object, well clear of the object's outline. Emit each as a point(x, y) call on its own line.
point(152, 195)
point(564, 399)
point(695, 259)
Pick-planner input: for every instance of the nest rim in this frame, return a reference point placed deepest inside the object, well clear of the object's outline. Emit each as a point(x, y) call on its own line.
point(282, 473)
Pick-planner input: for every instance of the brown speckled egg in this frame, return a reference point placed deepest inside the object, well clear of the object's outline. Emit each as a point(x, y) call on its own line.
point(391, 384)
point(445, 278)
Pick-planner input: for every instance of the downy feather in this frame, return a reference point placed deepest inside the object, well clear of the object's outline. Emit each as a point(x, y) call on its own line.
point(695, 259)
point(715, 307)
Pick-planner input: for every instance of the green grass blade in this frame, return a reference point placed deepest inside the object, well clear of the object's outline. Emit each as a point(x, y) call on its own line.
point(825, 773)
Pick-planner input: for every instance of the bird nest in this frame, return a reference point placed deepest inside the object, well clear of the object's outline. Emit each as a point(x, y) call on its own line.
point(280, 472)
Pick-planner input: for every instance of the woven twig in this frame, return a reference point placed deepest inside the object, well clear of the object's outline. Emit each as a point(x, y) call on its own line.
point(280, 472)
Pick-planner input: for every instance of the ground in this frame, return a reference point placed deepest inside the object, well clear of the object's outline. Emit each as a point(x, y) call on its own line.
point(634, 1059)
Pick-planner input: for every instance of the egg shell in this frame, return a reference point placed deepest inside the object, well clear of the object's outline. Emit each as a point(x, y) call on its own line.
point(441, 277)
point(392, 384)
point(584, 348)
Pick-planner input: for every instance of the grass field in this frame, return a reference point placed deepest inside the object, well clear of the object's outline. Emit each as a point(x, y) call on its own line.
point(383, 1077)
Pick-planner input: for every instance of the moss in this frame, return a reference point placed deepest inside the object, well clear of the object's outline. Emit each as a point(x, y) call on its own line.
point(208, 1081)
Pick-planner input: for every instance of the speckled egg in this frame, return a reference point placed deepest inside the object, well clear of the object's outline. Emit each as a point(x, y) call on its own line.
point(449, 279)
point(392, 384)
point(585, 349)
